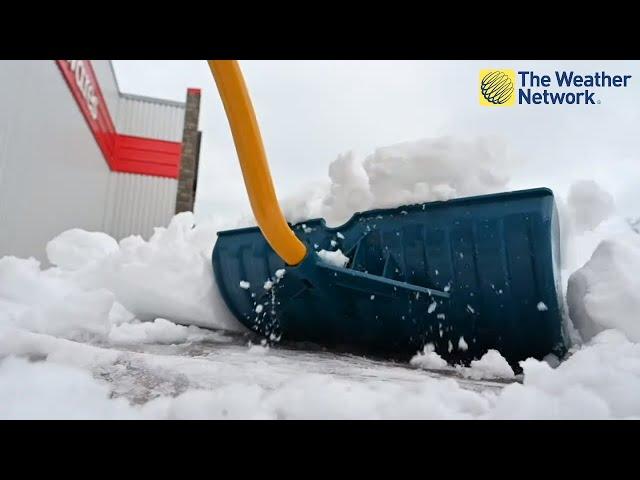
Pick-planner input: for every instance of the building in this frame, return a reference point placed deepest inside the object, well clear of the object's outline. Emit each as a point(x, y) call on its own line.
point(77, 152)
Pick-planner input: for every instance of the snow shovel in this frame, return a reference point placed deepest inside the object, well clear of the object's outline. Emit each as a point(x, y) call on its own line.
point(466, 275)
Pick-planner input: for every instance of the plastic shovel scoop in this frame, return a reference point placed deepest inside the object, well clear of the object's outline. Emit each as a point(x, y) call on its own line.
point(466, 275)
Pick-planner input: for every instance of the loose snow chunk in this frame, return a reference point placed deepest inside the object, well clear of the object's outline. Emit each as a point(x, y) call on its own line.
point(542, 307)
point(340, 236)
point(337, 258)
point(267, 285)
point(462, 345)
point(259, 308)
point(429, 359)
point(244, 284)
point(491, 365)
point(280, 273)
point(432, 307)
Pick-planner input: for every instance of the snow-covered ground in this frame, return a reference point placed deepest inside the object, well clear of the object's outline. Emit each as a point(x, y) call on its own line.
point(112, 329)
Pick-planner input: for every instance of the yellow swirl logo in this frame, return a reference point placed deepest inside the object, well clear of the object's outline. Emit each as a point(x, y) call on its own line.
point(497, 87)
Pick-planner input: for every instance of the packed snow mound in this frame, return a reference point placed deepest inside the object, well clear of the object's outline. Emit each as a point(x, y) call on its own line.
point(589, 204)
point(605, 293)
point(599, 381)
point(76, 248)
point(406, 173)
point(99, 286)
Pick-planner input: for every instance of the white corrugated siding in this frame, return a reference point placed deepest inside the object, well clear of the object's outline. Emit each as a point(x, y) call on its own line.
point(147, 117)
point(108, 84)
point(138, 203)
point(53, 176)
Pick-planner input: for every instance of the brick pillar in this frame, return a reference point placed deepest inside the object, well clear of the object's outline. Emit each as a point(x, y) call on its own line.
point(190, 153)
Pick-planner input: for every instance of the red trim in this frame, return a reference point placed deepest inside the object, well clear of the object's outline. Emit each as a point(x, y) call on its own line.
point(123, 153)
point(147, 156)
point(193, 91)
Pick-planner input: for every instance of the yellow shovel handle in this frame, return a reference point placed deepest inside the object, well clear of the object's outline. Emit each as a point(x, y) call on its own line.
point(253, 161)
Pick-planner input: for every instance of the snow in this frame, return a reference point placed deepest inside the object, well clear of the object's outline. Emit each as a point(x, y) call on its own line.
point(429, 359)
point(491, 365)
point(405, 173)
point(244, 285)
point(605, 292)
point(589, 204)
point(169, 276)
point(160, 331)
point(336, 258)
point(37, 390)
point(76, 248)
point(111, 330)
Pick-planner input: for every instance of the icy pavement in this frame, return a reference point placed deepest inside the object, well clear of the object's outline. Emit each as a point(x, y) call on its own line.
point(143, 373)
point(222, 375)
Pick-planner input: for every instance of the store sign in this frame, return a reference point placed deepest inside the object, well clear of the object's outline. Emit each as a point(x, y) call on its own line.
point(86, 85)
point(83, 83)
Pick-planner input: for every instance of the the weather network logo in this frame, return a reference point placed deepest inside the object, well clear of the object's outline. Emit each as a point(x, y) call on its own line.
point(506, 87)
point(497, 87)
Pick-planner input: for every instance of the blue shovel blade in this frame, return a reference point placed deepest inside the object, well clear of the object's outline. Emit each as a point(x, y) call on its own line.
point(465, 275)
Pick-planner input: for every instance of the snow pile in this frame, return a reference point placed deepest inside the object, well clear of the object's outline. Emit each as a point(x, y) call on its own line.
point(170, 276)
point(98, 285)
point(605, 293)
point(601, 261)
point(586, 219)
point(599, 381)
point(406, 173)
